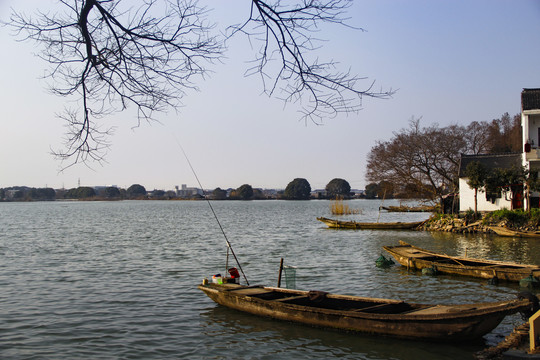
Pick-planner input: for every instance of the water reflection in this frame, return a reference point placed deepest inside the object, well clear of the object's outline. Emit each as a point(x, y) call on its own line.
point(270, 339)
point(117, 279)
point(489, 246)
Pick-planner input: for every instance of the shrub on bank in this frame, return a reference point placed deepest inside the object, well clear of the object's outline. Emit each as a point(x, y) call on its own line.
point(514, 218)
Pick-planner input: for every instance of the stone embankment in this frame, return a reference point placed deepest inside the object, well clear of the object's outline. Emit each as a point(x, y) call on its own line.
point(458, 225)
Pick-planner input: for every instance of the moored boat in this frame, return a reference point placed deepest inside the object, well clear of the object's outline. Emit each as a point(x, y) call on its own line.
point(503, 231)
point(339, 224)
point(416, 258)
point(403, 208)
point(367, 315)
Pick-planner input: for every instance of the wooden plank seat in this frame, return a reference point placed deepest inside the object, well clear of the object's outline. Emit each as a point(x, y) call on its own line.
point(292, 298)
point(378, 306)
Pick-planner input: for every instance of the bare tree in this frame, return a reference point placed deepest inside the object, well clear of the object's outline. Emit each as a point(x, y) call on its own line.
point(426, 159)
point(477, 136)
point(109, 55)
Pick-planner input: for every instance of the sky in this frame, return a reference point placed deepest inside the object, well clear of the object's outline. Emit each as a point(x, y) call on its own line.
point(451, 62)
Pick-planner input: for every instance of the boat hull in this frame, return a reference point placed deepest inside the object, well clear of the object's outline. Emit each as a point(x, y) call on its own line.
point(445, 323)
point(417, 259)
point(338, 224)
point(501, 231)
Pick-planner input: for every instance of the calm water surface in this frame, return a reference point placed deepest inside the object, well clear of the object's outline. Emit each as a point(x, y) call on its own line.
point(117, 280)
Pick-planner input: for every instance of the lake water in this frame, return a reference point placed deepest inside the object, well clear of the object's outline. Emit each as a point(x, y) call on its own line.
point(117, 280)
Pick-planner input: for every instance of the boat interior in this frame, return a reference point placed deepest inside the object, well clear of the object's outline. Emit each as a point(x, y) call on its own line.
point(320, 300)
point(466, 262)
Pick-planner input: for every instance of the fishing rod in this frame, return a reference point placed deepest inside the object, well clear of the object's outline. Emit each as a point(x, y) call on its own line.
point(229, 246)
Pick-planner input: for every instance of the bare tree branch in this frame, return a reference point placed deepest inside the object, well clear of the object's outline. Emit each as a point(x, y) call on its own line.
point(286, 33)
point(107, 55)
point(111, 58)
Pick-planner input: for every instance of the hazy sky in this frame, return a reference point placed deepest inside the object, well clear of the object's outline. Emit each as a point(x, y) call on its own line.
point(451, 62)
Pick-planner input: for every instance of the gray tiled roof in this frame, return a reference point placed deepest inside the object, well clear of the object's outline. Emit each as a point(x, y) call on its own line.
point(490, 161)
point(530, 99)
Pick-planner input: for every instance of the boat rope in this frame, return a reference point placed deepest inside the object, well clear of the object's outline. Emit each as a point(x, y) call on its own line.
point(229, 246)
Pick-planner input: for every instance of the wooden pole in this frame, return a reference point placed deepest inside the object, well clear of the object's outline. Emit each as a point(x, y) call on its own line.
point(280, 270)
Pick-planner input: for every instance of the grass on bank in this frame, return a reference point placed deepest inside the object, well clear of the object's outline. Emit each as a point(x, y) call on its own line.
point(338, 208)
point(514, 218)
point(511, 218)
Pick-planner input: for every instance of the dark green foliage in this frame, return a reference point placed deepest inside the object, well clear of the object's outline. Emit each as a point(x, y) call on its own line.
point(136, 190)
point(219, 194)
point(83, 192)
point(476, 174)
point(298, 189)
point(112, 192)
point(535, 217)
point(338, 187)
point(515, 218)
point(42, 194)
point(244, 192)
point(372, 190)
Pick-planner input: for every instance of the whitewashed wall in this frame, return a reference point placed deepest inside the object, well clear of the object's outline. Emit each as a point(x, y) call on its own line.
point(466, 199)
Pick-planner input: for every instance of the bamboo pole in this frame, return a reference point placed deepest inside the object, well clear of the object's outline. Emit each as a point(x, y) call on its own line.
point(280, 271)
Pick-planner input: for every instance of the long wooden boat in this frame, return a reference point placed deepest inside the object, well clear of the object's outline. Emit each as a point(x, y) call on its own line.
point(339, 224)
point(416, 258)
point(367, 315)
point(502, 231)
point(403, 208)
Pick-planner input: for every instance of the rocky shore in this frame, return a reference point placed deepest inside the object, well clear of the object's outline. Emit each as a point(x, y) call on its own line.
point(463, 225)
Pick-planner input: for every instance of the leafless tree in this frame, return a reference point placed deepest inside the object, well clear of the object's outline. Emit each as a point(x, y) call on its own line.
point(426, 159)
point(477, 136)
point(108, 55)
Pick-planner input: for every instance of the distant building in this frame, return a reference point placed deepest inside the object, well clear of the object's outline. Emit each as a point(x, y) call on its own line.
point(318, 194)
point(187, 192)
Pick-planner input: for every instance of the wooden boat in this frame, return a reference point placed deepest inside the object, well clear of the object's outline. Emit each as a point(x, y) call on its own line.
point(403, 208)
point(502, 231)
point(366, 315)
point(416, 258)
point(338, 224)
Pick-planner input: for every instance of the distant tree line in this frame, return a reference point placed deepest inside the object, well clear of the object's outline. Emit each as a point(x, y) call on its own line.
point(297, 189)
point(423, 162)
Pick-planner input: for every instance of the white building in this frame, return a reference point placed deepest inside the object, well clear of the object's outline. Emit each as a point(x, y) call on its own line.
point(530, 124)
point(187, 192)
point(485, 201)
point(529, 158)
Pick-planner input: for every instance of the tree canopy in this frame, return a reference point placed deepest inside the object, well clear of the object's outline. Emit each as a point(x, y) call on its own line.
point(112, 54)
point(219, 194)
point(136, 190)
point(338, 188)
point(244, 192)
point(298, 189)
point(112, 192)
point(476, 174)
point(82, 192)
point(426, 159)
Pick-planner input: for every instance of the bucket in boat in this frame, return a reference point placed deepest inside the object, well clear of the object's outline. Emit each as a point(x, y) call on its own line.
point(234, 273)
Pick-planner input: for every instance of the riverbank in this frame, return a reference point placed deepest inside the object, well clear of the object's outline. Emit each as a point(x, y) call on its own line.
point(513, 222)
point(514, 346)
